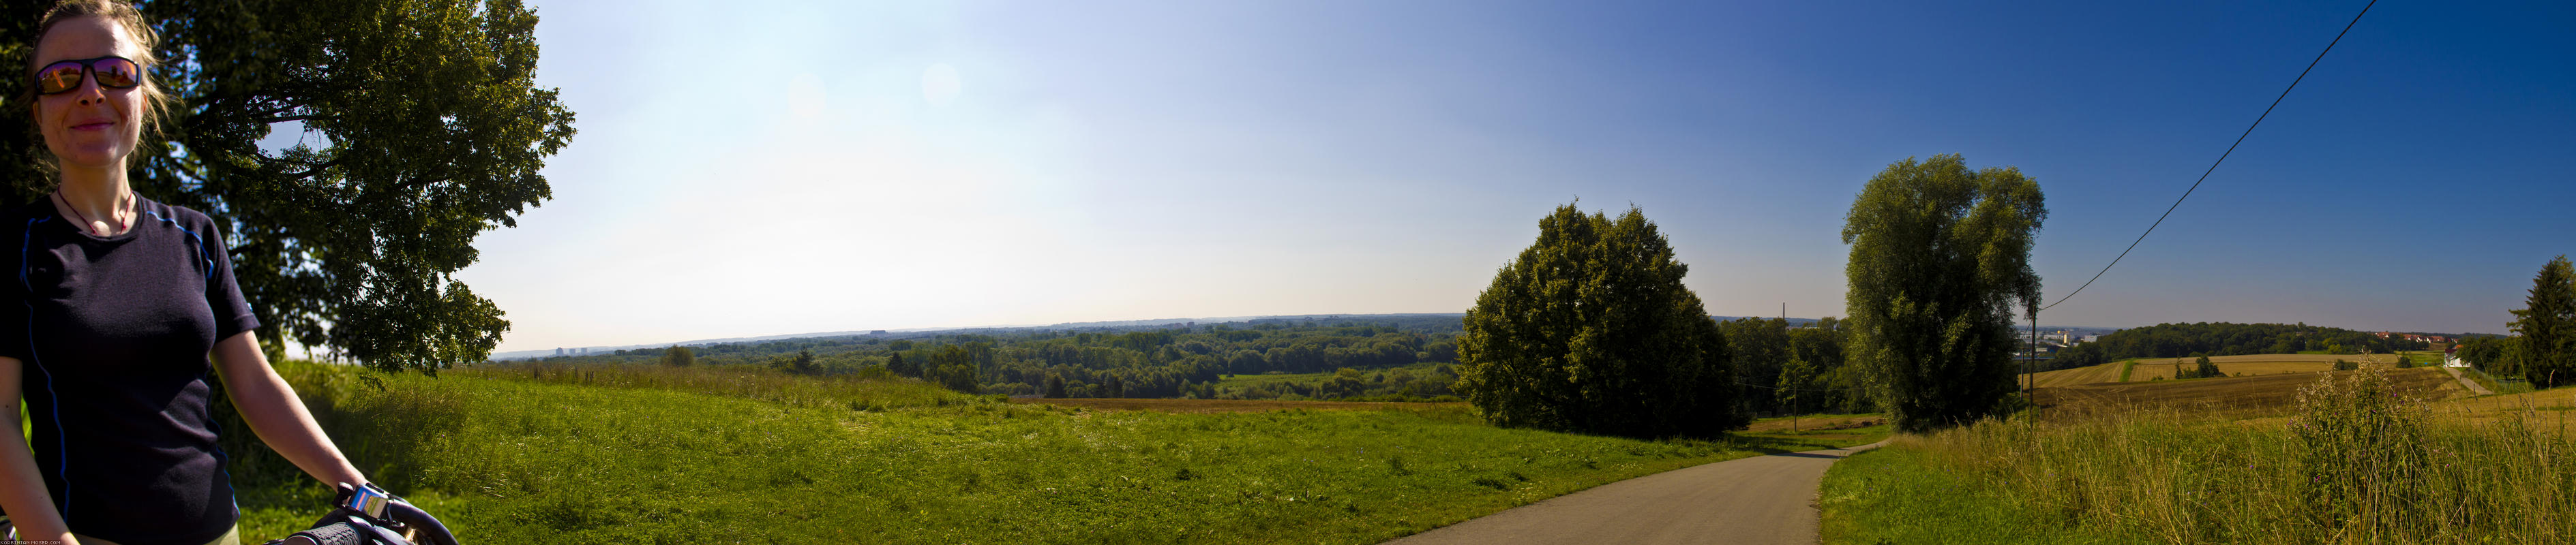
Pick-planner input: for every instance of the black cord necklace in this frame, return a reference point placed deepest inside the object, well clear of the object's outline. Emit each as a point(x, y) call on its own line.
point(121, 224)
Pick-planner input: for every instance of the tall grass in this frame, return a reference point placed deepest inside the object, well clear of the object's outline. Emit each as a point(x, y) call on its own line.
point(2359, 462)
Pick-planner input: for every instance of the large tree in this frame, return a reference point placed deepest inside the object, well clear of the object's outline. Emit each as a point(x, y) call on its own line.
point(422, 129)
point(2547, 322)
point(1940, 255)
point(1591, 330)
point(1759, 349)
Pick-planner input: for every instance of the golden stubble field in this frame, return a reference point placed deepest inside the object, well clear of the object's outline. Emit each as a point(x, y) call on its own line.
point(2257, 364)
point(2252, 395)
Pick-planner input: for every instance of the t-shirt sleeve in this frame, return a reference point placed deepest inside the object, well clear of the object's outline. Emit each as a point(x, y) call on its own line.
point(223, 295)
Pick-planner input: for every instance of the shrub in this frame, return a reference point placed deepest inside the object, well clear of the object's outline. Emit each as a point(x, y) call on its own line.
point(2361, 446)
point(1591, 330)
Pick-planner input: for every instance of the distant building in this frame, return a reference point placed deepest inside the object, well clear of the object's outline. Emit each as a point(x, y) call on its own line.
point(559, 351)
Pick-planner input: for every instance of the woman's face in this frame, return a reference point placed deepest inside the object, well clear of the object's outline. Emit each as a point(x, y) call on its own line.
point(89, 126)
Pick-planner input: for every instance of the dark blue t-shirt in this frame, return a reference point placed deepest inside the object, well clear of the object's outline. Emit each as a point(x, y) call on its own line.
point(112, 335)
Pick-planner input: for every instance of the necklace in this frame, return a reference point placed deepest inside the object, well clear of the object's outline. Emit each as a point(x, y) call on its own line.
point(122, 224)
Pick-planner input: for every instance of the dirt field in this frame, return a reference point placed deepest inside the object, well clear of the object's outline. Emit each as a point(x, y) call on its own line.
point(2256, 364)
point(2108, 372)
point(2252, 395)
point(1220, 405)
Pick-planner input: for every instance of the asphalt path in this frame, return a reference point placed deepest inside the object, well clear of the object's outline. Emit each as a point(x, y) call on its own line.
point(2464, 381)
point(1758, 500)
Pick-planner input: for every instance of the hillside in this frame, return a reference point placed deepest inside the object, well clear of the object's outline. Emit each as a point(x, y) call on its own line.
point(639, 454)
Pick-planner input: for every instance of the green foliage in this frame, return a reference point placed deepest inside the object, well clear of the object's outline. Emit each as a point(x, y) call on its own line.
point(1054, 387)
point(2341, 364)
point(1146, 361)
point(2546, 353)
point(801, 363)
point(1795, 377)
point(2404, 362)
point(2228, 339)
point(426, 129)
point(2488, 353)
point(1939, 256)
point(1757, 348)
point(953, 368)
point(2202, 368)
point(2080, 355)
point(1590, 329)
point(679, 356)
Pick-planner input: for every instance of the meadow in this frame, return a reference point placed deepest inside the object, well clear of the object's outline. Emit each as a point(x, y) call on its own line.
point(640, 454)
point(2370, 456)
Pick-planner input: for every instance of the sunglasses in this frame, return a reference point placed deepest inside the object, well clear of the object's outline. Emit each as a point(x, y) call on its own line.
point(112, 72)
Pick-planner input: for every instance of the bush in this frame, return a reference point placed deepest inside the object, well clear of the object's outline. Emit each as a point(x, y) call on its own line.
point(2361, 445)
point(1591, 330)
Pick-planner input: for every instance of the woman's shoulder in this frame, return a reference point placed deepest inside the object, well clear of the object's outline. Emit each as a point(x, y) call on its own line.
point(185, 217)
point(16, 213)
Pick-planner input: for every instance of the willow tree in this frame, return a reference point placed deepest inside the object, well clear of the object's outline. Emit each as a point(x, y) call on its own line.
point(423, 129)
point(1590, 330)
point(1940, 255)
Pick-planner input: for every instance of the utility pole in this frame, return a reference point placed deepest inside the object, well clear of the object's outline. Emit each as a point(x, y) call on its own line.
point(2030, 380)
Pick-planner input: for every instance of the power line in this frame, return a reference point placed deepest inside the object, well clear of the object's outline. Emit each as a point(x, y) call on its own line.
point(2222, 157)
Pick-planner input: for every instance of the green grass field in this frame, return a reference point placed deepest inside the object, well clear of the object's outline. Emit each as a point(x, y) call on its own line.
point(664, 456)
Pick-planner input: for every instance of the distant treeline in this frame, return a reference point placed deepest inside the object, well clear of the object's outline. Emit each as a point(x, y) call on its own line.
point(1127, 361)
point(2226, 339)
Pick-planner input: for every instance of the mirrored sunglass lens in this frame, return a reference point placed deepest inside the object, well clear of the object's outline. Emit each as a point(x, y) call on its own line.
point(116, 73)
point(59, 77)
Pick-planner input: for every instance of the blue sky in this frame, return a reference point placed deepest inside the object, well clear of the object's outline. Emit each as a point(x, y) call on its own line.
point(836, 166)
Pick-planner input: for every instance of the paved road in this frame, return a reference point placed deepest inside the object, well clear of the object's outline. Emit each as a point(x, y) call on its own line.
point(1758, 500)
point(2464, 381)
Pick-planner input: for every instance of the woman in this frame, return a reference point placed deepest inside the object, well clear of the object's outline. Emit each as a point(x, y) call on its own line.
point(117, 304)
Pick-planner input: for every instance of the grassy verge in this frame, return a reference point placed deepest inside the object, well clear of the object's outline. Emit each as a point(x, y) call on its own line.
point(2357, 462)
point(749, 456)
point(2125, 366)
point(1900, 494)
point(2495, 385)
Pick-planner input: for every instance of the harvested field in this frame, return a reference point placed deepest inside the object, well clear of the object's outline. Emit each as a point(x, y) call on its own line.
point(2557, 406)
point(2255, 364)
point(1817, 422)
point(2108, 372)
point(1222, 405)
point(2248, 395)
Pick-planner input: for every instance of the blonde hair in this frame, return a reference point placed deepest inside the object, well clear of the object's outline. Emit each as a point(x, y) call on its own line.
point(156, 103)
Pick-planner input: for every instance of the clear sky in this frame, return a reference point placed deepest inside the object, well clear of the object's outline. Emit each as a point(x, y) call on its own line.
point(784, 167)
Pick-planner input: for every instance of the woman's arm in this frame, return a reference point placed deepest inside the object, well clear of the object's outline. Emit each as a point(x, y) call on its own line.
point(22, 489)
point(273, 411)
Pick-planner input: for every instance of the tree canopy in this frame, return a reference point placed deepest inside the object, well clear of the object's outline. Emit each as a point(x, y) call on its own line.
point(1939, 256)
point(2546, 353)
point(424, 129)
point(1591, 330)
